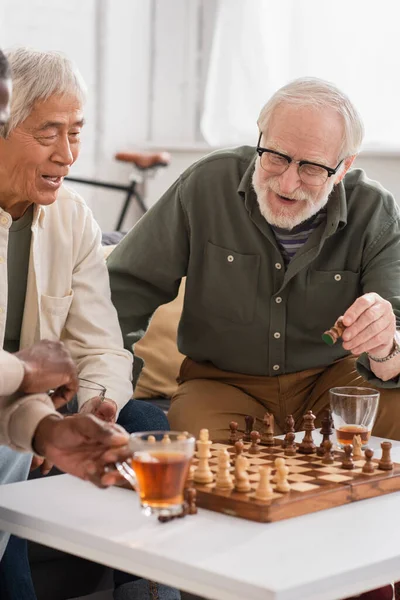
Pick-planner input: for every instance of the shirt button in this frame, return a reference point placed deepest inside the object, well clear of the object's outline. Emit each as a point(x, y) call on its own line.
point(338, 277)
point(276, 367)
point(230, 258)
point(1, 310)
point(1, 260)
point(278, 266)
point(278, 300)
point(4, 220)
point(277, 335)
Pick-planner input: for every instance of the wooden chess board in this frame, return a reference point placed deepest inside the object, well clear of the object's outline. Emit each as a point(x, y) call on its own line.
point(314, 485)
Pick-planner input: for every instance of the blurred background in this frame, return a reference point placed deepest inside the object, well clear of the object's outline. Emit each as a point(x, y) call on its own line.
point(190, 76)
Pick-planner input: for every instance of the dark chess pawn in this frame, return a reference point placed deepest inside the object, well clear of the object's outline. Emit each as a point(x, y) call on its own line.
point(269, 423)
point(385, 464)
point(249, 427)
point(369, 466)
point(255, 440)
point(290, 446)
point(289, 428)
point(233, 427)
point(326, 430)
point(239, 447)
point(166, 518)
point(191, 501)
point(328, 458)
point(347, 462)
point(185, 510)
point(307, 445)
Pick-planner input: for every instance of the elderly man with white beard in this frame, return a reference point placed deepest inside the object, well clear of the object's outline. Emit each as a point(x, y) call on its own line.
point(277, 242)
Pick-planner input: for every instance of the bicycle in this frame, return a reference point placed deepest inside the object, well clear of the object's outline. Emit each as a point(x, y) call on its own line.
point(144, 166)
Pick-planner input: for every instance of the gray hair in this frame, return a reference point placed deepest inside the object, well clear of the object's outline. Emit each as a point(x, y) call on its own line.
point(37, 75)
point(311, 91)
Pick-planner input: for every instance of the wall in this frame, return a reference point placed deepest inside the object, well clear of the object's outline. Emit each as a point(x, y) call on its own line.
point(145, 63)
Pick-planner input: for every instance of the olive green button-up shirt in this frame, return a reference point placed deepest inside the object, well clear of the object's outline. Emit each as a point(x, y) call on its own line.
point(243, 310)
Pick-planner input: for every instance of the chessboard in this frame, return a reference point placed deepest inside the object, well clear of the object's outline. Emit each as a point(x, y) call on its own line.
point(314, 485)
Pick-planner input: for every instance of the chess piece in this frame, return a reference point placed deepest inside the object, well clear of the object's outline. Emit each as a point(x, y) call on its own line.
point(223, 478)
point(282, 484)
point(326, 430)
point(233, 427)
point(289, 428)
point(357, 445)
point(151, 439)
point(331, 336)
point(328, 458)
point(269, 422)
point(166, 439)
point(249, 427)
point(290, 446)
point(385, 464)
point(182, 436)
point(242, 481)
point(191, 501)
point(264, 489)
point(255, 439)
point(239, 447)
point(278, 463)
point(307, 445)
point(347, 462)
point(165, 518)
point(190, 476)
point(203, 473)
point(369, 466)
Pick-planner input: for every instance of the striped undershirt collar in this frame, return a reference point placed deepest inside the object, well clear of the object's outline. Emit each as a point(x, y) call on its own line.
point(290, 241)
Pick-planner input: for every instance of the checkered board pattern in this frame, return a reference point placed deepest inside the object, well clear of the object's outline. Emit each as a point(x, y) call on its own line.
point(314, 485)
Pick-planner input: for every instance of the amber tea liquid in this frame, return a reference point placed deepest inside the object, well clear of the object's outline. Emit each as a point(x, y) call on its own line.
point(346, 433)
point(161, 477)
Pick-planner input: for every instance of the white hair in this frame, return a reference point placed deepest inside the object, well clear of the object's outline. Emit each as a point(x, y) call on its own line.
point(37, 75)
point(311, 91)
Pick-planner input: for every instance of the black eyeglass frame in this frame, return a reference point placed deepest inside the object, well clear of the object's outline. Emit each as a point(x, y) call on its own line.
point(260, 151)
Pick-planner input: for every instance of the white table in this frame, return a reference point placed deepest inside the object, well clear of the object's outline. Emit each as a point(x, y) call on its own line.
point(322, 556)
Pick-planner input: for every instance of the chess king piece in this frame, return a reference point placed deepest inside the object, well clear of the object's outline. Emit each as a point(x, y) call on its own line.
point(242, 481)
point(249, 420)
point(289, 428)
point(290, 446)
point(385, 464)
point(328, 458)
point(369, 466)
point(203, 473)
point(264, 489)
point(357, 445)
point(307, 445)
point(332, 335)
point(223, 478)
point(347, 462)
point(326, 430)
point(233, 427)
point(269, 422)
point(282, 484)
point(255, 440)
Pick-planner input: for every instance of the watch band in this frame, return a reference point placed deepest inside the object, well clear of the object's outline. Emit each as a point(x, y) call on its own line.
point(394, 352)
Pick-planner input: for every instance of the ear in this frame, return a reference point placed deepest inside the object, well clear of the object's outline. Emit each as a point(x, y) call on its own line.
point(346, 166)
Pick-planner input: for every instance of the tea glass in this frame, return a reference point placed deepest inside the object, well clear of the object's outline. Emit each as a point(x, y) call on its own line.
point(354, 411)
point(158, 469)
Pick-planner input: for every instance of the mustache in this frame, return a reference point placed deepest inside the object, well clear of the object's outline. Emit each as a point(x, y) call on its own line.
point(273, 185)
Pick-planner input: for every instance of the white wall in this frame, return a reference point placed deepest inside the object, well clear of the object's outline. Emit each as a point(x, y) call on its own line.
point(145, 63)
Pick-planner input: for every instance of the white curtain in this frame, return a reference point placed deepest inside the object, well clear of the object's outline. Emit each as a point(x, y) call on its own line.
point(259, 45)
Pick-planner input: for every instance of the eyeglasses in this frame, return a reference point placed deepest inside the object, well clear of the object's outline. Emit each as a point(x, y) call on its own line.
point(277, 163)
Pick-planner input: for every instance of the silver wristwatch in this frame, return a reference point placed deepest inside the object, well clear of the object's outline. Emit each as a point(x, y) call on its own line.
point(394, 352)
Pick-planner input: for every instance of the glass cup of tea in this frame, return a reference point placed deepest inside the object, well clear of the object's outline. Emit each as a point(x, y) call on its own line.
point(158, 469)
point(354, 411)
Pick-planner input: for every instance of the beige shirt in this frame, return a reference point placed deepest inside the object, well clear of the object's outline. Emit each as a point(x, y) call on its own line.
point(68, 294)
point(19, 417)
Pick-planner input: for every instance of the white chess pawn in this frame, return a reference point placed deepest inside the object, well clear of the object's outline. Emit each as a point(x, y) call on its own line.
point(223, 479)
point(264, 489)
point(166, 439)
point(282, 484)
point(203, 473)
point(242, 481)
point(278, 463)
point(151, 439)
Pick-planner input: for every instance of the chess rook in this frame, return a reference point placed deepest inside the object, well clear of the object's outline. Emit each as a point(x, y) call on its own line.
point(385, 464)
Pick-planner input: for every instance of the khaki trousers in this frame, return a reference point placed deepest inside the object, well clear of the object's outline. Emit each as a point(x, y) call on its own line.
point(210, 398)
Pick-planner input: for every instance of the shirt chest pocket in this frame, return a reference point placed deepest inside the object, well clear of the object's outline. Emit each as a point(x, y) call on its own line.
point(329, 295)
point(54, 313)
point(230, 282)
